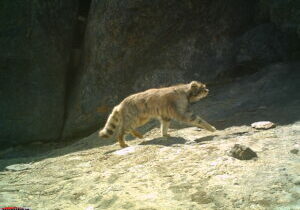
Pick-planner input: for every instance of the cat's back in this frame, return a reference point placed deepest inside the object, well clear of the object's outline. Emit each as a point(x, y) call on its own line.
point(156, 95)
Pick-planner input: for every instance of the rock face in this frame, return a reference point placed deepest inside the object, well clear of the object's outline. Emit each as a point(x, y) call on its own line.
point(129, 46)
point(35, 40)
point(286, 17)
point(134, 45)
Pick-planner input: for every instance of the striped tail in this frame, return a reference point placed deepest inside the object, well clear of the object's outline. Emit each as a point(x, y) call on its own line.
point(111, 125)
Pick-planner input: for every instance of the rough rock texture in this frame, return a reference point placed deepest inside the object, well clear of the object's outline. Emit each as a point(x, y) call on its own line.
point(35, 40)
point(134, 45)
point(126, 47)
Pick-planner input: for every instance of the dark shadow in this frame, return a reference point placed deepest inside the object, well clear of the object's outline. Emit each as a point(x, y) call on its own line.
point(165, 141)
point(271, 94)
point(232, 135)
point(37, 151)
point(205, 138)
point(280, 115)
point(239, 133)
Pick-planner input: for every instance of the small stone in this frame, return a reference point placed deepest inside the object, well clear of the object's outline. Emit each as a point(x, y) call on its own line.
point(242, 152)
point(294, 151)
point(263, 125)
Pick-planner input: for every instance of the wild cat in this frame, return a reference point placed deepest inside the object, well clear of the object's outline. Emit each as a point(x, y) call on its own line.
point(163, 104)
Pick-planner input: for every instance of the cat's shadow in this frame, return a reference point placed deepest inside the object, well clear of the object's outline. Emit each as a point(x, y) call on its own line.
point(205, 139)
point(165, 141)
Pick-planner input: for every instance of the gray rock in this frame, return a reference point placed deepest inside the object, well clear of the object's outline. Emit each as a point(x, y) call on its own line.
point(242, 152)
point(35, 40)
point(294, 151)
point(263, 125)
point(135, 45)
point(285, 15)
point(130, 46)
point(260, 46)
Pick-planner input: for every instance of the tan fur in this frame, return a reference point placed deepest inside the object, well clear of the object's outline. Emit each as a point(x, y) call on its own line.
point(162, 103)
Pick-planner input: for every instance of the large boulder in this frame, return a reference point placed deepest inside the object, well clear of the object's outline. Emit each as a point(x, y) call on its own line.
point(35, 40)
point(137, 44)
point(49, 93)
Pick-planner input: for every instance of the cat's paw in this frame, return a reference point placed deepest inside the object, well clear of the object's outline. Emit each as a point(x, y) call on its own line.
point(212, 129)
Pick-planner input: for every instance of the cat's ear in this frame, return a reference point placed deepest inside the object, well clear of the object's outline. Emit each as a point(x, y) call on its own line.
point(194, 85)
